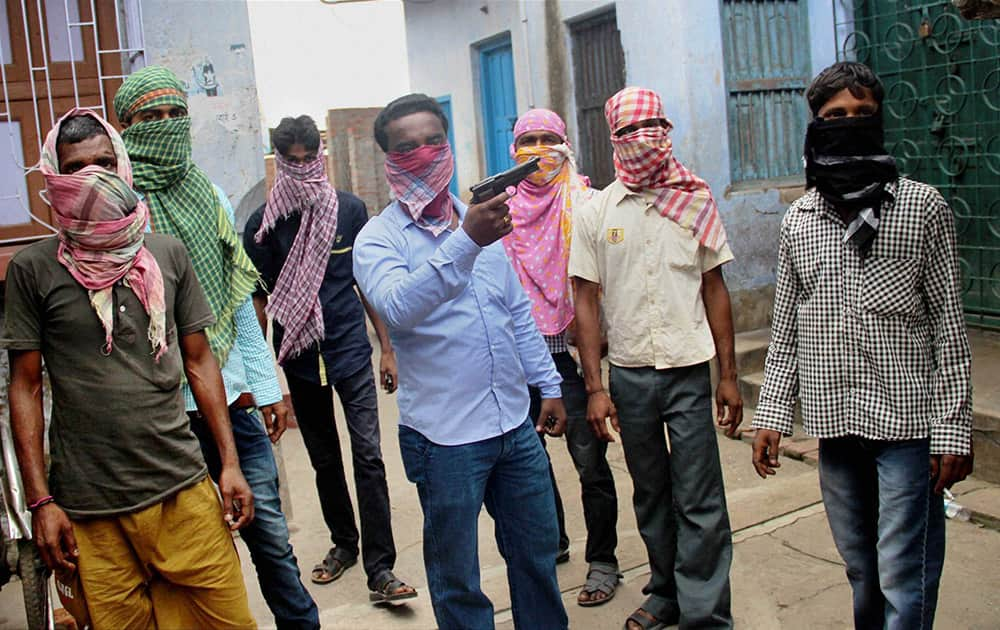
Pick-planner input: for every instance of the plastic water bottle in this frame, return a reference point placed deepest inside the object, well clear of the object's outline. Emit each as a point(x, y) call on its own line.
point(955, 510)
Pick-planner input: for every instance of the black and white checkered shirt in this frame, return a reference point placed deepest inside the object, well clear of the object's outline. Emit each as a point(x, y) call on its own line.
point(872, 346)
point(556, 343)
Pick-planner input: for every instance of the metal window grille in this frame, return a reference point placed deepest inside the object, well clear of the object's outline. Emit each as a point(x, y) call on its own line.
point(93, 57)
point(767, 64)
point(941, 73)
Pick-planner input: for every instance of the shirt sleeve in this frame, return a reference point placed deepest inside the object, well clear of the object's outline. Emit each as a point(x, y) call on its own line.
point(710, 259)
point(258, 362)
point(192, 313)
point(260, 254)
point(776, 407)
point(404, 298)
point(536, 360)
point(583, 244)
point(23, 317)
point(951, 421)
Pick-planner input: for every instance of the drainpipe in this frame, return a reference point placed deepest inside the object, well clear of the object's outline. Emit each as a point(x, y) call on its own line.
point(521, 9)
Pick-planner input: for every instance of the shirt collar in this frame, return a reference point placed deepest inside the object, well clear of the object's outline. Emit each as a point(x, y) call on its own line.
point(812, 200)
point(619, 191)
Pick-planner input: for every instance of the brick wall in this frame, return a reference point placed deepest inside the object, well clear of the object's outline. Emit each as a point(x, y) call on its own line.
point(355, 163)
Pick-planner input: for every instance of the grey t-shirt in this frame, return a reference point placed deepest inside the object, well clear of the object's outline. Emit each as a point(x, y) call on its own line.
point(119, 440)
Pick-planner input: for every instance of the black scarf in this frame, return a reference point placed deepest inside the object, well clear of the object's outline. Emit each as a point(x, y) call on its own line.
point(847, 162)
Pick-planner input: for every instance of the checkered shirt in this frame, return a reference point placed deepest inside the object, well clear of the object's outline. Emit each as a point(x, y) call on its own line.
point(556, 343)
point(872, 346)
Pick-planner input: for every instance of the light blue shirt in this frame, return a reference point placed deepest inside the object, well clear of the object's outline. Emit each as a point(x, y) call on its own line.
point(250, 366)
point(461, 325)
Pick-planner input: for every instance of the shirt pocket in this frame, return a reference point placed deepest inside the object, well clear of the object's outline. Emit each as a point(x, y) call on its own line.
point(889, 286)
point(683, 248)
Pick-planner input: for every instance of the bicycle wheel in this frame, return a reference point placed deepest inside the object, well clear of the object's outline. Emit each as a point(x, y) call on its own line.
point(34, 584)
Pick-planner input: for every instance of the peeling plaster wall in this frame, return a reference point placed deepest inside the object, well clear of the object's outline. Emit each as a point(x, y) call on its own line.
point(225, 121)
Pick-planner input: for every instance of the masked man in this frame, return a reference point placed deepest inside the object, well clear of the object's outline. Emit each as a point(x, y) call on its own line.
point(869, 335)
point(538, 249)
point(301, 243)
point(468, 349)
point(118, 316)
point(152, 106)
point(654, 243)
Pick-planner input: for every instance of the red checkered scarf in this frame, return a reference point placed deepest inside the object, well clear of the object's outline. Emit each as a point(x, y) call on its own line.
point(419, 177)
point(102, 225)
point(644, 160)
point(295, 304)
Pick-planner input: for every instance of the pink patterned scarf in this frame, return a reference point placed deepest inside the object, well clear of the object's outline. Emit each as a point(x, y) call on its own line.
point(295, 304)
point(102, 224)
point(419, 180)
point(644, 160)
point(541, 212)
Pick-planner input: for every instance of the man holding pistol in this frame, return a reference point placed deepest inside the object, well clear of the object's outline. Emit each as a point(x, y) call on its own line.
point(467, 348)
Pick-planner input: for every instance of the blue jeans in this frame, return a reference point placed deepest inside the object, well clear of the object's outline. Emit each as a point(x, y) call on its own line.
point(267, 535)
point(888, 525)
point(510, 474)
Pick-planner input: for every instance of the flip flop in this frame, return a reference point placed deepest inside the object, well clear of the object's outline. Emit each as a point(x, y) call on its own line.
point(332, 567)
point(386, 592)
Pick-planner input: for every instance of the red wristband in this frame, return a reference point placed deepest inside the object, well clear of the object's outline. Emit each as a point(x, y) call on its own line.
point(40, 502)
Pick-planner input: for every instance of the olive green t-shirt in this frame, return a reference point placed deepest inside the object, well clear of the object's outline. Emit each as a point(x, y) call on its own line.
point(119, 438)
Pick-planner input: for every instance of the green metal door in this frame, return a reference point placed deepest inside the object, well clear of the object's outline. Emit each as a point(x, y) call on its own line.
point(942, 113)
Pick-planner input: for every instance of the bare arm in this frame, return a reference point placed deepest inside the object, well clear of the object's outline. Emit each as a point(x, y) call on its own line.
point(588, 329)
point(388, 371)
point(720, 319)
point(206, 385)
point(259, 302)
point(52, 529)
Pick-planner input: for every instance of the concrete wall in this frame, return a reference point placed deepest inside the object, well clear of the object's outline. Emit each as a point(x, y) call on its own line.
point(669, 46)
point(182, 35)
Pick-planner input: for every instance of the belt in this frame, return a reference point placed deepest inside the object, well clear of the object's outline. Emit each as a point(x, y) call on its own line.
point(244, 401)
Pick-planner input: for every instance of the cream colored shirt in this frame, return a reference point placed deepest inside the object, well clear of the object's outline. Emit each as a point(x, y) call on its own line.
point(650, 271)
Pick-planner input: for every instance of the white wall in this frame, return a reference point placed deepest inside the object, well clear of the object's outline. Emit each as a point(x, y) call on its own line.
point(225, 128)
point(311, 56)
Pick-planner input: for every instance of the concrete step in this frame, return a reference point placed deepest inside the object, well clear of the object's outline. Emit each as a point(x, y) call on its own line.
point(751, 350)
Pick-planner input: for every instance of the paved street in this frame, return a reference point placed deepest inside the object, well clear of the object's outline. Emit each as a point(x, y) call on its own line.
point(786, 572)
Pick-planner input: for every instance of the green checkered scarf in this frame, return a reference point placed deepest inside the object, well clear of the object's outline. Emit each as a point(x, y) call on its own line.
point(184, 204)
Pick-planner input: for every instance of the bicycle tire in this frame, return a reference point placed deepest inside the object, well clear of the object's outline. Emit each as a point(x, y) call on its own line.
point(35, 586)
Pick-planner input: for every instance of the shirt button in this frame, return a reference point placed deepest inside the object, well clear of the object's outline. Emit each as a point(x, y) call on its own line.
point(122, 308)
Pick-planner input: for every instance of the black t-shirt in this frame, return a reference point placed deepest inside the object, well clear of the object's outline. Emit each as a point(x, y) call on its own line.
point(345, 348)
point(120, 440)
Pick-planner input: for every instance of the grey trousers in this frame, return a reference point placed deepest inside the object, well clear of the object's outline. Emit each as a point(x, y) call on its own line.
point(679, 499)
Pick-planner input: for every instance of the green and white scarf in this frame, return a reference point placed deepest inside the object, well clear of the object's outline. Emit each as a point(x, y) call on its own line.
point(184, 204)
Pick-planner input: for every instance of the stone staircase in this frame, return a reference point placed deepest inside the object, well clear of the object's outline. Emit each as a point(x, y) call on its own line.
point(751, 350)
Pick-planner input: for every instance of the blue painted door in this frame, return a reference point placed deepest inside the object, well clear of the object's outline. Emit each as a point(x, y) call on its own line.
point(499, 102)
point(445, 103)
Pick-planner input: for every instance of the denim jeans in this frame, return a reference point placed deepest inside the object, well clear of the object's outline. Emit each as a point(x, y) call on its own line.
point(509, 473)
point(314, 411)
point(679, 499)
point(267, 534)
point(888, 525)
point(589, 455)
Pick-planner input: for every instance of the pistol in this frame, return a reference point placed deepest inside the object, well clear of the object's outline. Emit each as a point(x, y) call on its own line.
point(496, 184)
